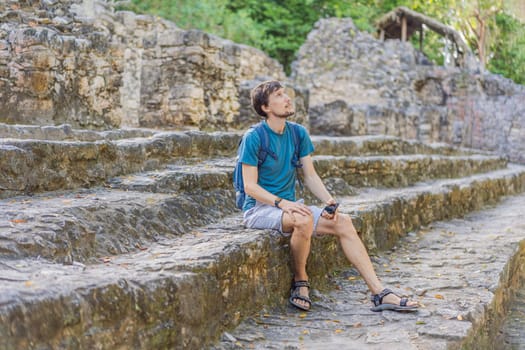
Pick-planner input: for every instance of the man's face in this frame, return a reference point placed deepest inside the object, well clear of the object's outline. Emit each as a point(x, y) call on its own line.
point(280, 104)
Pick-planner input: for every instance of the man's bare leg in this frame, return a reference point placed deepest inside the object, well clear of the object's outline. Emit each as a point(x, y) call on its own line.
point(300, 243)
point(356, 253)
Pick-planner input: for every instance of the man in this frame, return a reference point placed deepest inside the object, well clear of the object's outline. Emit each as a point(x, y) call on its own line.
point(271, 202)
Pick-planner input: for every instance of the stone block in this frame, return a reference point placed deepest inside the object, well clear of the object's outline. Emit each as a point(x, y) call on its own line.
point(172, 38)
point(430, 91)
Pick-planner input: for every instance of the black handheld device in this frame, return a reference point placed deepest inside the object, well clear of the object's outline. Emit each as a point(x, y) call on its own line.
point(330, 209)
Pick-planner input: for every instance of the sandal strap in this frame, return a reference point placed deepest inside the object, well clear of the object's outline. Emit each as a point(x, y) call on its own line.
point(301, 297)
point(403, 302)
point(299, 284)
point(377, 299)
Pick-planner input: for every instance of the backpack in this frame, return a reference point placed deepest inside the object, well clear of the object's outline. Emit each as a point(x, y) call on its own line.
point(264, 151)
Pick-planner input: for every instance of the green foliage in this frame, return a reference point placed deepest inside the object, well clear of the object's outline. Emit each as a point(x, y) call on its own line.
point(509, 51)
point(362, 12)
point(284, 24)
point(212, 16)
point(279, 27)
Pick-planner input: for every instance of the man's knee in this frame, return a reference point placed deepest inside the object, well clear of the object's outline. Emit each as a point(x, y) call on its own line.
point(345, 227)
point(303, 225)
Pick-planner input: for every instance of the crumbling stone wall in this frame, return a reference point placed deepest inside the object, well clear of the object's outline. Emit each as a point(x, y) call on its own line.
point(80, 62)
point(55, 67)
point(185, 77)
point(359, 85)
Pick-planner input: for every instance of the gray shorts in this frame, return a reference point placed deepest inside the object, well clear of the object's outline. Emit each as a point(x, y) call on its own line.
point(263, 216)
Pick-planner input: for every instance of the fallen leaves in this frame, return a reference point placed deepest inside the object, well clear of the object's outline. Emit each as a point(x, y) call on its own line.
point(196, 233)
point(18, 221)
point(140, 247)
point(446, 233)
point(439, 296)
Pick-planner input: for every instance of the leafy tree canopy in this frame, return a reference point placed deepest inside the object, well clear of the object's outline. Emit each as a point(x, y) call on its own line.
point(279, 27)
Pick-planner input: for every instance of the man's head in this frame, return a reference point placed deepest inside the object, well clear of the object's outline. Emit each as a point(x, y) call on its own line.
point(269, 98)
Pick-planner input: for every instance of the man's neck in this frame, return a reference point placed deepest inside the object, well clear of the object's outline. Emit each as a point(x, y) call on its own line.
point(276, 124)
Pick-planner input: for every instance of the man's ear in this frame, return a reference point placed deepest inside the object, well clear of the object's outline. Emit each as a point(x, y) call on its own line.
point(265, 108)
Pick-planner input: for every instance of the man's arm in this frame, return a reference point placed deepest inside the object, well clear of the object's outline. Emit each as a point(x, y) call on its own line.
point(313, 182)
point(250, 175)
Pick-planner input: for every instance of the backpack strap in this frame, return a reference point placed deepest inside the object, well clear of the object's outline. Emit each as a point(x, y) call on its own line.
point(296, 160)
point(264, 149)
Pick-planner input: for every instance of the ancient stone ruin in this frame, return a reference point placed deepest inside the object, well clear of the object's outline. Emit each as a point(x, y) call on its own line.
point(359, 85)
point(118, 228)
point(81, 63)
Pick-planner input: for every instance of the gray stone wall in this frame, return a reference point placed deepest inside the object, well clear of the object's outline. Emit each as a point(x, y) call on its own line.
point(56, 67)
point(82, 63)
point(180, 78)
point(359, 85)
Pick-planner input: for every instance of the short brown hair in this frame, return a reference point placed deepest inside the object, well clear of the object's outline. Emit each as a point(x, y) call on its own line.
point(261, 93)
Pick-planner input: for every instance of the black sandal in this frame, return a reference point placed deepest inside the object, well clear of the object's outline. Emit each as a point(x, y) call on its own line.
point(294, 294)
point(377, 299)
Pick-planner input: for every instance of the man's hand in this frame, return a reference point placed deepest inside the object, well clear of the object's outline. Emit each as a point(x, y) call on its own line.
point(294, 207)
point(330, 211)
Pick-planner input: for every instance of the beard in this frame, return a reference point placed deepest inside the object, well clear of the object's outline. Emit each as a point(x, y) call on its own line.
point(285, 115)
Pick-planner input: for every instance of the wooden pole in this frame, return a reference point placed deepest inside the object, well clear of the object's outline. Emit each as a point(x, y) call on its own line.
point(403, 28)
point(421, 38)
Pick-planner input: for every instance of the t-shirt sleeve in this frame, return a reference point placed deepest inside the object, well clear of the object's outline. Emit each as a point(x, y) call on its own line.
point(249, 148)
point(307, 147)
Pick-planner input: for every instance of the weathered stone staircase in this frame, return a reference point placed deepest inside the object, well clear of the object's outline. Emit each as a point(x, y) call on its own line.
point(130, 238)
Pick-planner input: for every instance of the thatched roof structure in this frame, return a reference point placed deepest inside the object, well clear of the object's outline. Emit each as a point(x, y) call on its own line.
point(402, 23)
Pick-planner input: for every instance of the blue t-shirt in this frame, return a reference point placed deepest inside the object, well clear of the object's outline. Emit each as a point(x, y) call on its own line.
point(276, 176)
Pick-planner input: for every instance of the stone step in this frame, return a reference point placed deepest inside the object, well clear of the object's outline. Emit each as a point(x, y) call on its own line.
point(339, 172)
point(89, 224)
point(462, 271)
point(187, 176)
point(81, 226)
point(181, 292)
point(382, 145)
point(65, 132)
point(403, 170)
point(30, 166)
point(340, 145)
point(511, 335)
